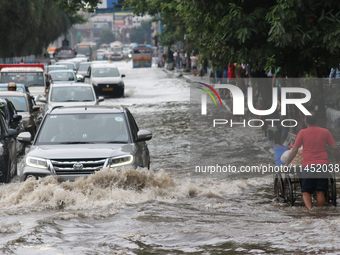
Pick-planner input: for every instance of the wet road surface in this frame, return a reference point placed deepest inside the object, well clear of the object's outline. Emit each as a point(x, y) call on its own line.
point(167, 210)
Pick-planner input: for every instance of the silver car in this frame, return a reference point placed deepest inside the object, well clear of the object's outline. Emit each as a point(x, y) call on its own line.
point(70, 94)
point(63, 76)
point(77, 141)
point(106, 79)
point(51, 68)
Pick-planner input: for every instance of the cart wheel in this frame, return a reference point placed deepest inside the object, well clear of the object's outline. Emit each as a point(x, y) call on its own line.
point(332, 191)
point(288, 188)
point(278, 187)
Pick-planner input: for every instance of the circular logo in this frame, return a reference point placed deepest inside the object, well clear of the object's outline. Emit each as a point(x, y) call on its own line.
point(78, 166)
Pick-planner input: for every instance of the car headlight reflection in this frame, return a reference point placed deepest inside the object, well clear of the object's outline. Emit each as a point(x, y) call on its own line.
point(121, 161)
point(37, 162)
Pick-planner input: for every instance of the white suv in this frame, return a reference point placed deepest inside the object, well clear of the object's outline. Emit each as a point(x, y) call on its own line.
point(106, 80)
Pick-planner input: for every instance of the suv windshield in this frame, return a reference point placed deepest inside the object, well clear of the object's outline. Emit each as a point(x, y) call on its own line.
point(83, 128)
point(71, 94)
point(105, 72)
point(19, 103)
point(27, 78)
point(54, 68)
point(62, 76)
point(68, 65)
point(84, 67)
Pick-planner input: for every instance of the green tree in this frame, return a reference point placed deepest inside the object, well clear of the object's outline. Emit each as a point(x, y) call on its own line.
point(142, 34)
point(164, 11)
point(28, 26)
point(105, 36)
point(296, 35)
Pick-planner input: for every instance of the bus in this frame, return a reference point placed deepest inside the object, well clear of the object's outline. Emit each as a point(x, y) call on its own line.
point(86, 48)
point(141, 55)
point(64, 53)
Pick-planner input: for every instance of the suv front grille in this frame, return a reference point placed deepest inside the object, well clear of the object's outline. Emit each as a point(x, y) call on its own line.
point(73, 166)
point(107, 85)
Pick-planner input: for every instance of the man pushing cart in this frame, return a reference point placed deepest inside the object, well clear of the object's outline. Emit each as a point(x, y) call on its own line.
point(313, 176)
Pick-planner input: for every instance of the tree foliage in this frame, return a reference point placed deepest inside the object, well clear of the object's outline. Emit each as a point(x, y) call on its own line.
point(142, 34)
point(105, 36)
point(28, 26)
point(164, 11)
point(296, 35)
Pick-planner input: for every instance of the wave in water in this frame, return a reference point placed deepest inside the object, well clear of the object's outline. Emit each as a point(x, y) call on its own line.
point(112, 188)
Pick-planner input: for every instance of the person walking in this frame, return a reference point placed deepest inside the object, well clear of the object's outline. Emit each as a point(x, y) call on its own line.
point(193, 63)
point(314, 140)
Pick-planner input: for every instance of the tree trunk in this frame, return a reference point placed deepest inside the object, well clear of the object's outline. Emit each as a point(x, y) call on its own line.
point(321, 112)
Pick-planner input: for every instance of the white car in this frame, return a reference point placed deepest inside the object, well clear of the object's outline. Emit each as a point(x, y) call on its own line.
point(62, 76)
point(106, 80)
point(77, 61)
point(55, 68)
point(70, 65)
point(70, 94)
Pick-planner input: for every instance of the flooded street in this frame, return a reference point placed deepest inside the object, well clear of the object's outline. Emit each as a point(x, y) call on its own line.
point(170, 209)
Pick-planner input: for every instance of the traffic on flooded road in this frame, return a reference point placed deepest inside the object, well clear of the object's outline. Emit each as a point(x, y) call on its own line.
point(161, 205)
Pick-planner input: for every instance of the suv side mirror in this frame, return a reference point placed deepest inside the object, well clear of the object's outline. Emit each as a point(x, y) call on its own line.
point(143, 135)
point(40, 99)
point(36, 108)
point(100, 99)
point(12, 132)
point(123, 75)
point(24, 137)
point(17, 117)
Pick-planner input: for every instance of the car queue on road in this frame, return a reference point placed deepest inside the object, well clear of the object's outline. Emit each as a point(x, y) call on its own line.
point(26, 122)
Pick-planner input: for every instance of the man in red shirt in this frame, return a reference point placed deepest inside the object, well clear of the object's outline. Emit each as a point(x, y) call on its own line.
point(314, 140)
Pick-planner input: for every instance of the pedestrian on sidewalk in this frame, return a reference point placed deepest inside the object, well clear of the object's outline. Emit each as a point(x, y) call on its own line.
point(240, 74)
point(175, 58)
point(334, 77)
point(193, 60)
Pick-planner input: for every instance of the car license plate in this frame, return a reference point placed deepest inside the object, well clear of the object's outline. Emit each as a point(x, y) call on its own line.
point(107, 89)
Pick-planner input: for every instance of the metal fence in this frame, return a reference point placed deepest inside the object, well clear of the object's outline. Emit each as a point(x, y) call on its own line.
point(17, 60)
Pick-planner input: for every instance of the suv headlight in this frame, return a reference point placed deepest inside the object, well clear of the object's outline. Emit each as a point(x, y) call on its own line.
point(37, 162)
point(121, 161)
point(121, 83)
point(94, 84)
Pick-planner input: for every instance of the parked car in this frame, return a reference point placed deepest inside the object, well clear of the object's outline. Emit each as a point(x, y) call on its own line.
point(77, 141)
point(106, 80)
point(65, 94)
point(20, 87)
point(62, 76)
point(8, 152)
point(55, 68)
point(27, 108)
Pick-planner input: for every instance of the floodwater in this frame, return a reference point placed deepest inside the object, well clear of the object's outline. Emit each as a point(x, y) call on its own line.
point(167, 210)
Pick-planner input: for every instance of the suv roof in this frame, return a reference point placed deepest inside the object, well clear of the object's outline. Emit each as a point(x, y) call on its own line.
point(103, 65)
point(13, 93)
point(70, 84)
point(87, 109)
point(62, 71)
